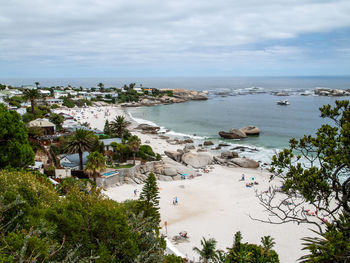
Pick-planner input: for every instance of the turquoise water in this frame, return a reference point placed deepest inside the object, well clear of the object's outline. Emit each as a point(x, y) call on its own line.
point(206, 118)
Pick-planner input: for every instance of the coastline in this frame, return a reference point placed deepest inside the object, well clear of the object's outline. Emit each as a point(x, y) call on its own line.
point(214, 205)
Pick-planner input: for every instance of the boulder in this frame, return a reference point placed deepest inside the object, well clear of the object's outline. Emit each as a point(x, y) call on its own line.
point(223, 144)
point(202, 150)
point(178, 167)
point(208, 143)
point(176, 156)
point(169, 171)
point(219, 160)
point(245, 163)
point(233, 134)
point(197, 160)
point(239, 133)
point(189, 147)
point(251, 130)
point(147, 127)
point(188, 141)
point(229, 155)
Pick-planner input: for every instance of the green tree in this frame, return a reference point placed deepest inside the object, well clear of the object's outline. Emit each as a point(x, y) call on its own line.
point(119, 125)
point(14, 145)
point(80, 142)
point(107, 128)
point(122, 151)
point(95, 163)
point(252, 253)
point(37, 83)
point(134, 144)
point(208, 251)
point(149, 199)
point(57, 119)
point(317, 170)
point(31, 95)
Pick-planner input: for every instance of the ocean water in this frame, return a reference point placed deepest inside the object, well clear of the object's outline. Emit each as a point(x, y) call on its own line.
point(234, 102)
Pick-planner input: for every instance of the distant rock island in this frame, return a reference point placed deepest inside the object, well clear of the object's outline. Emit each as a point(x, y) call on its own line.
point(331, 92)
point(178, 95)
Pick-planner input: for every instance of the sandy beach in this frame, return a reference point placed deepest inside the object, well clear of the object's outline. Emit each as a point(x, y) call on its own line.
point(216, 204)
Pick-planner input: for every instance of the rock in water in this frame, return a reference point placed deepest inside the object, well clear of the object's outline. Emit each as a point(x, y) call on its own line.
point(245, 163)
point(229, 135)
point(239, 133)
point(197, 160)
point(251, 130)
point(207, 143)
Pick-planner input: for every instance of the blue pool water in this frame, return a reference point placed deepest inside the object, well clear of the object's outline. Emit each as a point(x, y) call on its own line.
point(110, 173)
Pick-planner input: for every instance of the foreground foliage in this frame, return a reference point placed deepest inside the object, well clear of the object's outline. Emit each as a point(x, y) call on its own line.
point(14, 145)
point(315, 172)
point(36, 225)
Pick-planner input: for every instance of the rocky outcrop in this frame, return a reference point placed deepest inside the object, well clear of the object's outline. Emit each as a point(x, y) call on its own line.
point(250, 130)
point(146, 128)
point(229, 155)
point(176, 156)
point(245, 163)
point(331, 92)
point(197, 160)
point(208, 143)
point(229, 135)
point(240, 133)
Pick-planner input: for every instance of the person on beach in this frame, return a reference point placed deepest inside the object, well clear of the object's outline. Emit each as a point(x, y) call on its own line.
point(135, 192)
point(243, 177)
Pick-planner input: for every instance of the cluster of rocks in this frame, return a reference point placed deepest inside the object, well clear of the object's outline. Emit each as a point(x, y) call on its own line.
point(240, 133)
point(148, 129)
point(231, 159)
point(331, 92)
point(179, 95)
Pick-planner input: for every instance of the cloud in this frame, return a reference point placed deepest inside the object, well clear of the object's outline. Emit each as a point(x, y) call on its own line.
point(138, 32)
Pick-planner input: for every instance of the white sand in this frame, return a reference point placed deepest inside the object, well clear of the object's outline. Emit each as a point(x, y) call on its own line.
point(214, 205)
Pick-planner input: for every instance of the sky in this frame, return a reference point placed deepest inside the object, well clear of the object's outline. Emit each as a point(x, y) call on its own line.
point(161, 38)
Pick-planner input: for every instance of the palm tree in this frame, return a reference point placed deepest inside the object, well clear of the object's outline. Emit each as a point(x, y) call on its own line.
point(134, 144)
point(119, 125)
point(268, 242)
point(208, 252)
point(101, 86)
point(95, 163)
point(80, 142)
point(37, 83)
point(31, 95)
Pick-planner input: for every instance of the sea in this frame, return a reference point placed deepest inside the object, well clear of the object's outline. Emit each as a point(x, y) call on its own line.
point(234, 102)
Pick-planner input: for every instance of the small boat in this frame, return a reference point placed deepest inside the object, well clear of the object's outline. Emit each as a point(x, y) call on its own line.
point(283, 102)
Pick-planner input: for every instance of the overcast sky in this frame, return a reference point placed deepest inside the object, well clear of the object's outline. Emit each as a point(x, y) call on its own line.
point(101, 38)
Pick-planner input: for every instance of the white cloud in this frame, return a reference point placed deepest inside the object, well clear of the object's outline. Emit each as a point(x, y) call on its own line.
point(137, 31)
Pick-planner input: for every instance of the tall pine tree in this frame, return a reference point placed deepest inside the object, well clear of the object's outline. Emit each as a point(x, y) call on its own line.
point(149, 199)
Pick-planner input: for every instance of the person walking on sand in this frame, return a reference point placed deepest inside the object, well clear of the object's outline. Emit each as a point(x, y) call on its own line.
point(176, 201)
point(135, 192)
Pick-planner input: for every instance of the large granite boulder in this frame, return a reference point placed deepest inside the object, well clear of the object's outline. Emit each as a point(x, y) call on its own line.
point(197, 160)
point(229, 155)
point(178, 167)
point(239, 133)
point(169, 171)
point(245, 163)
point(250, 130)
point(189, 147)
point(176, 156)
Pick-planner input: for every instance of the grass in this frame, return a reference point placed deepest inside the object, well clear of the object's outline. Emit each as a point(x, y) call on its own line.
point(121, 167)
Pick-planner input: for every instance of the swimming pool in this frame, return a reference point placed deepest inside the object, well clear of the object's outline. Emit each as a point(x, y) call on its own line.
point(110, 173)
